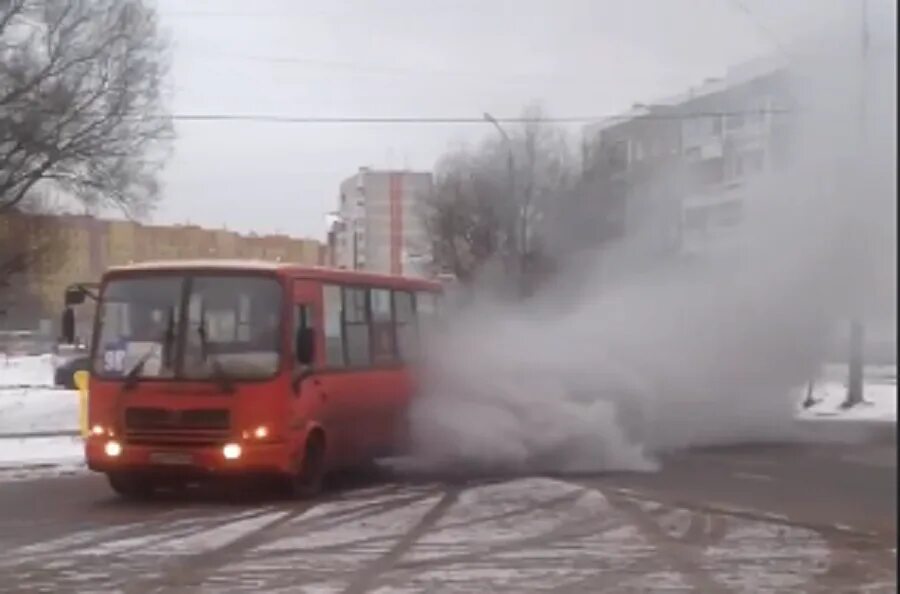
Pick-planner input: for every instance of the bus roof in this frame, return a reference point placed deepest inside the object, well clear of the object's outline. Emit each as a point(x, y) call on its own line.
point(281, 268)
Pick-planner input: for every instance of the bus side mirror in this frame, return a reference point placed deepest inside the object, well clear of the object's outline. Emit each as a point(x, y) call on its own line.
point(68, 326)
point(305, 346)
point(74, 296)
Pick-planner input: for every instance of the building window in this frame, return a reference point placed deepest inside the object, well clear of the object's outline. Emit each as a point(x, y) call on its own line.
point(638, 151)
point(619, 155)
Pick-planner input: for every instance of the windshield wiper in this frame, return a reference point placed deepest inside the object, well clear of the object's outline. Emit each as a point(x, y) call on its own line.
point(134, 374)
point(225, 381)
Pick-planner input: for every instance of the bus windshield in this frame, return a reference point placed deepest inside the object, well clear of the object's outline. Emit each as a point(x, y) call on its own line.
point(230, 330)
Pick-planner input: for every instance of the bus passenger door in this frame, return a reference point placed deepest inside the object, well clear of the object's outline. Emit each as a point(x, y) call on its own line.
point(309, 399)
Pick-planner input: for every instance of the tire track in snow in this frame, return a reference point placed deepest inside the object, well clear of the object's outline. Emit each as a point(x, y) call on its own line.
point(114, 558)
point(195, 571)
point(364, 580)
point(234, 539)
point(684, 558)
point(518, 535)
point(321, 549)
point(568, 539)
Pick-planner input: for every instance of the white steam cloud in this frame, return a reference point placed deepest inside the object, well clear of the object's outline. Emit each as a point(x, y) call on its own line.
point(621, 370)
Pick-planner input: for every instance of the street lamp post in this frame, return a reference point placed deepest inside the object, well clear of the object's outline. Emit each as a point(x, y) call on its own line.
point(513, 241)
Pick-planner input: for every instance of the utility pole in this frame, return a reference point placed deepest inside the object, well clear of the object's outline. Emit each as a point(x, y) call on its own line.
point(856, 361)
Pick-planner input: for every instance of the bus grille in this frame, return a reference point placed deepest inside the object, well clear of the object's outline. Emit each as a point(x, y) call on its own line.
point(196, 427)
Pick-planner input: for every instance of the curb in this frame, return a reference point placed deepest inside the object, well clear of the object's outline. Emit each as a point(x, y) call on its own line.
point(70, 433)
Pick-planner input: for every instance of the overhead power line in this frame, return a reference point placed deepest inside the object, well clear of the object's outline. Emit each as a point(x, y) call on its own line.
point(440, 120)
point(669, 115)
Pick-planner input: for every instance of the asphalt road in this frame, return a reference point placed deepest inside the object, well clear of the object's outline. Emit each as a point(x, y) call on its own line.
point(816, 518)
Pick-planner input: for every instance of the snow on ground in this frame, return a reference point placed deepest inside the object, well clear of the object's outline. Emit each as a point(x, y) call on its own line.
point(29, 458)
point(30, 410)
point(880, 403)
point(34, 371)
point(522, 535)
point(28, 401)
point(40, 451)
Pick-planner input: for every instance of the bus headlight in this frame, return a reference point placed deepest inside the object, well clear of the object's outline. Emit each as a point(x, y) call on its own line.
point(261, 432)
point(113, 449)
point(100, 431)
point(231, 451)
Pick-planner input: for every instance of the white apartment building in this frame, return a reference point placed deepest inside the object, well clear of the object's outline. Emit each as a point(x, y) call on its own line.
point(380, 226)
point(724, 153)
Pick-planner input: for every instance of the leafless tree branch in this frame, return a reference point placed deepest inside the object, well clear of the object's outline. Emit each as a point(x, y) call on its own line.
point(78, 93)
point(473, 218)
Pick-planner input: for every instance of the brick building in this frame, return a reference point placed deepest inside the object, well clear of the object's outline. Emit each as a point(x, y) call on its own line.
point(83, 247)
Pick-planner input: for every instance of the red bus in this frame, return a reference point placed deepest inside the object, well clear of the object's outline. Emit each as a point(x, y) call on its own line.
point(238, 369)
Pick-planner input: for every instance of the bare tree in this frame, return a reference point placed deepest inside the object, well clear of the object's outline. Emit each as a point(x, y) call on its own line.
point(81, 104)
point(463, 215)
point(475, 217)
point(81, 115)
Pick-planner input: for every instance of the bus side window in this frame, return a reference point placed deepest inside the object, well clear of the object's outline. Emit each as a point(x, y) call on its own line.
point(334, 340)
point(357, 331)
point(405, 320)
point(382, 326)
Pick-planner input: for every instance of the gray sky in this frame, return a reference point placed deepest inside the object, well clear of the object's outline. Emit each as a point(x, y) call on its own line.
point(414, 58)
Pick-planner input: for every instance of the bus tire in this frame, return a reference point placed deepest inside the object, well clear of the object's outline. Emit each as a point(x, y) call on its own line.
point(130, 486)
point(309, 479)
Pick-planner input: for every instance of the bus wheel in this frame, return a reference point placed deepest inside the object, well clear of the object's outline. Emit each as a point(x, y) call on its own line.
point(309, 479)
point(130, 486)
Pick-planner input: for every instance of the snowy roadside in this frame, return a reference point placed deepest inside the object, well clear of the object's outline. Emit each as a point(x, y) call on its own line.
point(32, 457)
point(37, 410)
point(26, 372)
point(30, 404)
point(880, 402)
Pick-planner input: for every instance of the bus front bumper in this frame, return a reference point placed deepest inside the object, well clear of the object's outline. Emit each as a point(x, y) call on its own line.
point(206, 461)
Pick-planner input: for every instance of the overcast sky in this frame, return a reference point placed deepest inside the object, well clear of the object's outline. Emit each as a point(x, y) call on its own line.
point(415, 58)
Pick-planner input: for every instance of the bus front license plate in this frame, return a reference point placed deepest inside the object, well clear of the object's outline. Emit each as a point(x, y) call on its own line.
point(171, 458)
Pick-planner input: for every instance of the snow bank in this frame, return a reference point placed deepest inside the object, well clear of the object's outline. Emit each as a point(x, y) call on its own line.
point(29, 410)
point(26, 371)
point(37, 451)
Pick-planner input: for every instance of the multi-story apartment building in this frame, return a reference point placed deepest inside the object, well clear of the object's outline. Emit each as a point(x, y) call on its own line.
point(723, 153)
point(83, 247)
point(675, 173)
point(634, 170)
point(379, 224)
